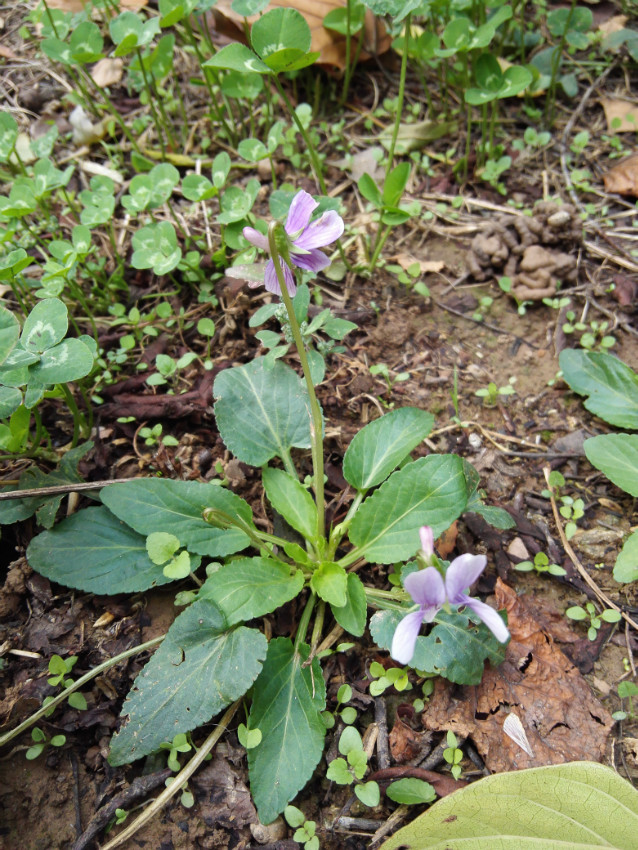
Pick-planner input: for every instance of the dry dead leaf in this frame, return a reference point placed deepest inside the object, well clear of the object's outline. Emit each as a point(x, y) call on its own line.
point(7, 53)
point(562, 719)
point(447, 541)
point(107, 72)
point(405, 743)
point(622, 179)
point(425, 266)
point(613, 24)
point(329, 44)
point(623, 111)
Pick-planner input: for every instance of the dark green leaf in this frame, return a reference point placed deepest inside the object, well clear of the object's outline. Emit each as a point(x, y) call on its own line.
point(287, 701)
point(251, 587)
point(380, 446)
point(153, 504)
point(93, 551)
point(611, 385)
point(199, 669)
point(431, 491)
point(352, 615)
point(261, 412)
point(617, 456)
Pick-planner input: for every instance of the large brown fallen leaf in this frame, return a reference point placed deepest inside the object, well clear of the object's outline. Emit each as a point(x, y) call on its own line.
point(561, 718)
point(622, 179)
point(330, 45)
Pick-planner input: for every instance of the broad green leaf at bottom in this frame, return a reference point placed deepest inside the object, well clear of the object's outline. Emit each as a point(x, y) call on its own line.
point(574, 806)
point(197, 671)
point(287, 701)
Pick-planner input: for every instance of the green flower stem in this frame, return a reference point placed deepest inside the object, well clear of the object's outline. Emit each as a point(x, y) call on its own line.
point(336, 536)
point(302, 628)
point(382, 238)
point(259, 539)
point(151, 104)
point(397, 120)
point(316, 162)
point(317, 628)
point(386, 599)
point(79, 422)
point(41, 712)
point(316, 427)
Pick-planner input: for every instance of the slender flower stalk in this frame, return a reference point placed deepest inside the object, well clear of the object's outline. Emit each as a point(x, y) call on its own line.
point(316, 425)
point(432, 592)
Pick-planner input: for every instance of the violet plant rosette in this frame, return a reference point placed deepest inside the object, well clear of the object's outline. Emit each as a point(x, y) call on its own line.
point(304, 239)
point(431, 591)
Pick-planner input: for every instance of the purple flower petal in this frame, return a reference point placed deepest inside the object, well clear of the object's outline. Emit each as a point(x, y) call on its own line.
point(256, 238)
point(313, 261)
point(405, 636)
point(490, 617)
point(271, 281)
point(302, 207)
point(426, 587)
point(321, 232)
point(462, 572)
point(427, 540)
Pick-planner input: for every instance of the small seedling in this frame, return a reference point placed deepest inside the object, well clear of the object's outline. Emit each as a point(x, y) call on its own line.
point(60, 668)
point(153, 436)
point(383, 679)
point(41, 742)
point(305, 830)
point(609, 615)
point(571, 509)
point(491, 392)
point(626, 690)
point(390, 379)
point(484, 307)
point(541, 565)
point(453, 755)
point(352, 769)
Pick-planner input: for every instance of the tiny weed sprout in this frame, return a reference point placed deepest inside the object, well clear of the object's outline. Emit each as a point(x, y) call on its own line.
point(541, 564)
point(589, 613)
point(453, 754)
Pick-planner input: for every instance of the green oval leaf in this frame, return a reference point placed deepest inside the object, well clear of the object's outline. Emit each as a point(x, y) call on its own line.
point(617, 456)
point(45, 326)
point(431, 491)
point(352, 616)
point(251, 587)
point(261, 412)
point(151, 504)
point(626, 566)
point(611, 385)
point(280, 29)
point(287, 701)
point(93, 551)
point(380, 446)
point(289, 498)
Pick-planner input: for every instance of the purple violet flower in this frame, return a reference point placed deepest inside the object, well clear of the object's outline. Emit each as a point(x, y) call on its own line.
point(304, 238)
point(430, 591)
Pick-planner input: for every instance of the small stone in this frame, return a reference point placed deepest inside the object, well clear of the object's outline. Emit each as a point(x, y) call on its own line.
point(517, 549)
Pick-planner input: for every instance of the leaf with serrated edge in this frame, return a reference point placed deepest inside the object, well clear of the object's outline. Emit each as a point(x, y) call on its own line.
point(431, 491)
point(251, 587)
point(352, 616)
point(261, 412)
point(199, 669)
point(93, 551)
point(152, 504)
point(579, 805)
point(380, 446)
point(287, 701)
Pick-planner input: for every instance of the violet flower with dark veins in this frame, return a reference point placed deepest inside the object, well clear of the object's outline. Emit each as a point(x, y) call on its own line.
point(304, 241)
point(431, 591)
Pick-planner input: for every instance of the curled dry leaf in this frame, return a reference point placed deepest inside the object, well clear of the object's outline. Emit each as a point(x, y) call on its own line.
point(561, 718)
point(330, 45)
point(622, 179)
